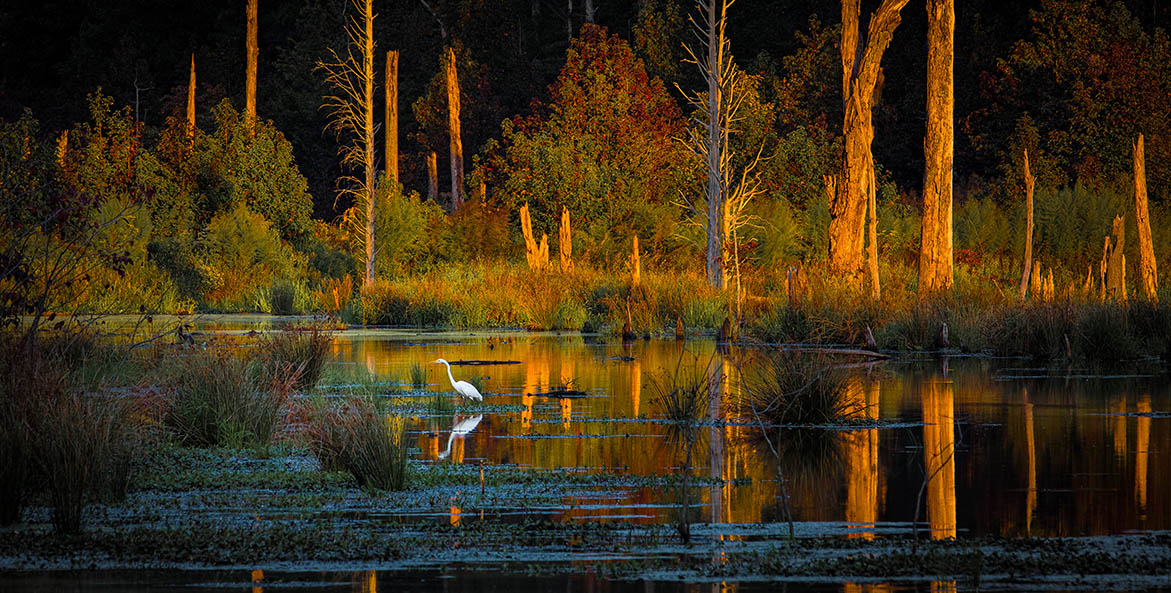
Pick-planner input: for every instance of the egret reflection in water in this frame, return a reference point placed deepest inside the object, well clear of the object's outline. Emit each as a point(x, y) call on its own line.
point(461, 427)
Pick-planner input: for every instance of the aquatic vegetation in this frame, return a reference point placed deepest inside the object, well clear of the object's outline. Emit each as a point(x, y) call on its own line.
point(358, 437)
point(418, 375)
point(683, 397)
point(299, 351)
point(796, 389)
point(218, 398)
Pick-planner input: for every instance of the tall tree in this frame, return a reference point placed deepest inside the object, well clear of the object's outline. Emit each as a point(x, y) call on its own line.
point(860, 72)
point(352, 114)
point(935, 253)
point(252, 53)
point(191, 105)
point(1148, 274)
point(457, 147)
point(392, 116)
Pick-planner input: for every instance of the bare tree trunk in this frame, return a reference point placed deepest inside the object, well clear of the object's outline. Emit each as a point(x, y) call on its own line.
point(591, 11)
point(935, 253)
point(252, 52)
point(715, 193)
point(392, 116)
point(1116, 272)
point(191, 105)
point(569, 22)
point(872, 237)
point(1028, 228)
point(860, 71)
point(368, 114)
point(433, 177)
point(1148, 272)
point(565, 241)
point(457, 147)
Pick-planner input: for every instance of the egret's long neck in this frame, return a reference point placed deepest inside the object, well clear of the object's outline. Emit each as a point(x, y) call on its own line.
point(449, 376)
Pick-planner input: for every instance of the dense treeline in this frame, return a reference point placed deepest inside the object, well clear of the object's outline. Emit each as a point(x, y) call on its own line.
point(559, 113)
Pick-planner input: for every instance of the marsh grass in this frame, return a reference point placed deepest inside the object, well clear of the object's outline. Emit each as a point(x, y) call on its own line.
point(357, 437)
point(220, 399)
point(683, 396)
point(75, 445)
point(796, 389)
point(418, 375)
point(303, 351)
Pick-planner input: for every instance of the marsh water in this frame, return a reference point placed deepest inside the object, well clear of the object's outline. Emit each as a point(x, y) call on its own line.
point(980, 446)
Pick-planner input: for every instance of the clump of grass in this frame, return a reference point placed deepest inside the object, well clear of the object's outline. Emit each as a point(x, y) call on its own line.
point(218, 399)
point(76, 446)
point(358, 438)
point(683, 397)
point(289, 297)
point(302, 351)
point(418, 375)
point(796, 389)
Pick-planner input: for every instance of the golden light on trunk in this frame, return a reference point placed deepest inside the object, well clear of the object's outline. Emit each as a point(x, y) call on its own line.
point(1026, 274)
point(252, 52)
point(1115, 259)
point(635, 264)
point(191, 105)
point(1148, 273)
point(935, 253)
point(433, 177)
point(453, 126)
point(392, 116)
point(537, 254)
point(565, 241)
point(855, 186)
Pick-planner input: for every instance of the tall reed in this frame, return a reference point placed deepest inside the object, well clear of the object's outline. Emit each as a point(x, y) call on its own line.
point(358, 438)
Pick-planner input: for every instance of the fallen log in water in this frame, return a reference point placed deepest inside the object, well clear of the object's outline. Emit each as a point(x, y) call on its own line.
point(835, 351)
point(481, 362)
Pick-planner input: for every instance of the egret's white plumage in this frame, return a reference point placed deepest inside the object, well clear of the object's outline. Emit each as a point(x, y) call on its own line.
point(461, 387)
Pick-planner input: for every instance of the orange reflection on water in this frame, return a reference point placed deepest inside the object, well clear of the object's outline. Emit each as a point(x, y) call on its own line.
point(370, 581)
point(1142, 454)
point(454, 516)
point(1031, 497)
point(939, 451)
point(861, 452)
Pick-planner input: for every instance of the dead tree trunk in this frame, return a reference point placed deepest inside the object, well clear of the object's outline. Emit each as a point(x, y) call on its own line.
point(565, 241)
point(1116, 266)
point(250, 81)
point(715, 193)
point(392, 116)
point(1148, 273)
point(457, 147)
point(368, 141)
point(935, 252)
point(860, 71)
point(1028, 228)
point(591, 11)
point(872, 239)
point(433, 177)
point(191, 105)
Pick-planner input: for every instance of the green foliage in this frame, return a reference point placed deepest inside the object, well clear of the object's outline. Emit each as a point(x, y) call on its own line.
point(258, 170)
point(603, 147)
point(404, 232)
point(243, 254)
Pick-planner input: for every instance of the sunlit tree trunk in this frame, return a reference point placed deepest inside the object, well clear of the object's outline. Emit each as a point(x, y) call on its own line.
point(860, 71)
point(250, 83)
point(368, 141)
point(433, 176)
point(935, 253)
point(1028, 228)
point(191, 105)
point(1148, 273)
point(392, 116)
point(457, 147)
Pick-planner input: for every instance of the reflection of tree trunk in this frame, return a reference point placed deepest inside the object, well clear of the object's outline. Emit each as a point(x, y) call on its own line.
point(1118, 409)
point(1142, 435)
point(370, 581)
point(717, 380)
point(454, 515)
point(935, 256)
point(939, 451)
point(860, 71)
point(635, 386)
point(861, 449)
point(1031, 497)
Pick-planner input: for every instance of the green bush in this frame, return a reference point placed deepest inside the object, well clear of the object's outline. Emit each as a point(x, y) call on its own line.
point(290, 297)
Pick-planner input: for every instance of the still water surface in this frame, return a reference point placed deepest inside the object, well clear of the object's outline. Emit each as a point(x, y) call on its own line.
point(1009, 449)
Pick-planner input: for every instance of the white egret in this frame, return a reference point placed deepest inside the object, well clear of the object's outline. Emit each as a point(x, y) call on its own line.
point(460, 428)
point(462, 387)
